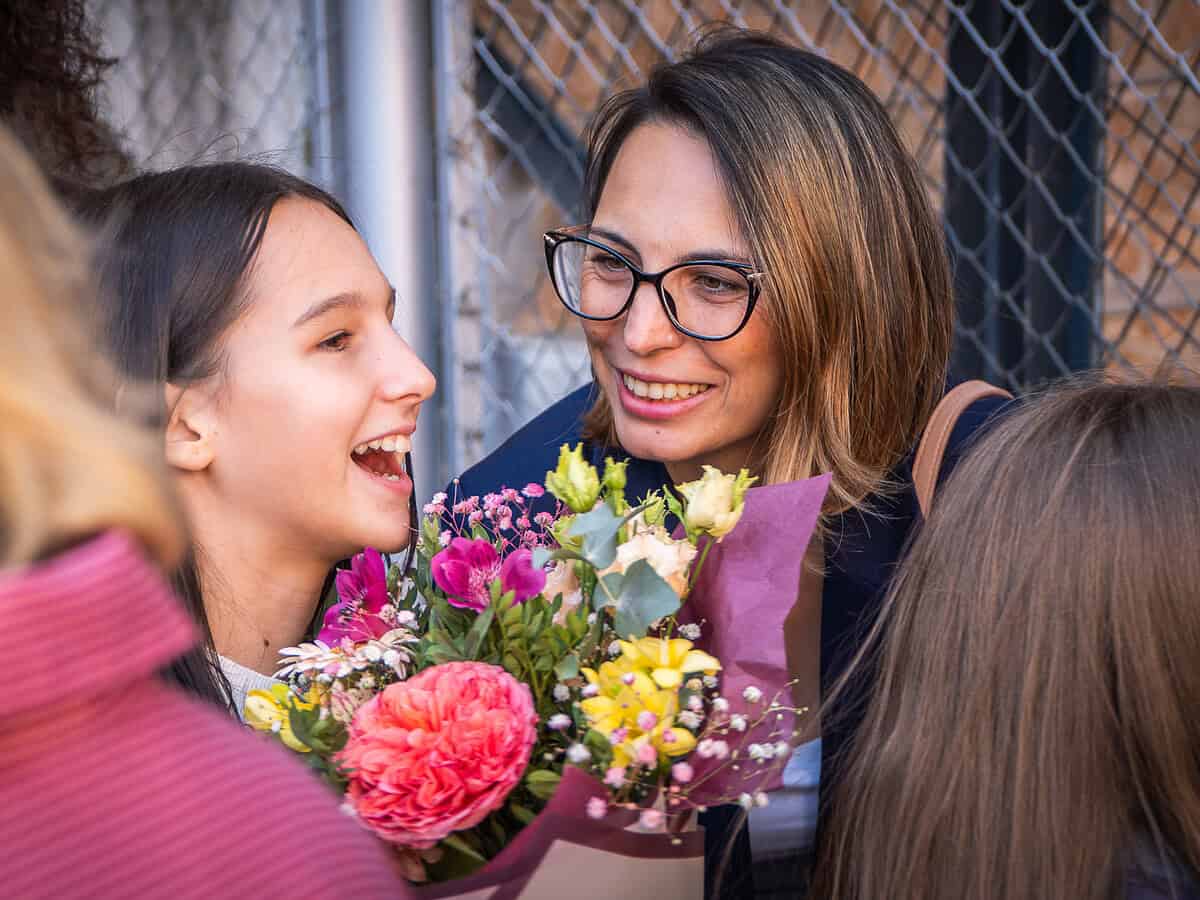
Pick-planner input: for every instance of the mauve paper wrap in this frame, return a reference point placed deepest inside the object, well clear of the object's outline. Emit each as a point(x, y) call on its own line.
point(746, 588)
point(563, 852)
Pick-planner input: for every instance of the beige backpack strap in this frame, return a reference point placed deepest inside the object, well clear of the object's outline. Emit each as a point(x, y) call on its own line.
point(928, 462)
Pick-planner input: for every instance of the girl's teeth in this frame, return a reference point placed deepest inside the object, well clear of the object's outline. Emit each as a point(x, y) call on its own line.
point(662, 390)
point(397, 444)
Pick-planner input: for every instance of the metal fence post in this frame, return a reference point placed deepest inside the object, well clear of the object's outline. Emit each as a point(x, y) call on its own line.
point(387, 118)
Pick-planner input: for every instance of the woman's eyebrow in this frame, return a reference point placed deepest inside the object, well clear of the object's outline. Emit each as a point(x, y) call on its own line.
point(722, 254)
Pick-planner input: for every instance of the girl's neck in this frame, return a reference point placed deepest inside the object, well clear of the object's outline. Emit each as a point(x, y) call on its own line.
point(259, 596)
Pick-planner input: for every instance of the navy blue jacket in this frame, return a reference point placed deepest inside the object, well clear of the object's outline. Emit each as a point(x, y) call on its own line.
point(861, 551)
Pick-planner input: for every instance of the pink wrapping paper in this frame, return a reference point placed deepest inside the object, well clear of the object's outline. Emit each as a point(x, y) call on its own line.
point(747, 587)
point(520, 870)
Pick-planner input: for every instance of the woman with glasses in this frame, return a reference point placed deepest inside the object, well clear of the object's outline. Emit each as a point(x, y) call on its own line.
point(762, 282)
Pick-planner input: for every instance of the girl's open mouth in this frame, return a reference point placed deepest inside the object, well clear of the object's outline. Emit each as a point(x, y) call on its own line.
point(384, 459)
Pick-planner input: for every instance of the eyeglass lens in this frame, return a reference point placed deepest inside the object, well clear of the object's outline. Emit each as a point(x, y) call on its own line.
point(709, 300)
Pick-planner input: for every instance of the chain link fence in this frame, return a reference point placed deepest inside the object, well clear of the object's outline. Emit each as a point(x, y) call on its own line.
point(1060, 140)
point(221, 79)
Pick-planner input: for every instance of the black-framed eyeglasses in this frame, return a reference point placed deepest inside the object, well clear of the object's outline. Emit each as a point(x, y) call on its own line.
point(708, 299)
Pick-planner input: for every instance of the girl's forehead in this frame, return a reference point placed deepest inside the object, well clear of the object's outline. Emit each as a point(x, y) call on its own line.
point(308, 252)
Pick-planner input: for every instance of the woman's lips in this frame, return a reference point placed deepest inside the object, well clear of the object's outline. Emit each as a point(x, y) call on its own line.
point(665, 407)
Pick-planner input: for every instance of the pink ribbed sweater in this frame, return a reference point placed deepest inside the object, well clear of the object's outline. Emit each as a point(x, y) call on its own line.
point(113, 784)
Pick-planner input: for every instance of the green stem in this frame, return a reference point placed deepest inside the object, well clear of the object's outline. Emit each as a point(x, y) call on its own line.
point(695, 573)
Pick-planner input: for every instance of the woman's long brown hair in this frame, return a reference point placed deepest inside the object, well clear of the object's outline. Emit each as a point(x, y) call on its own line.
point(858, 289)
point(1037, 712)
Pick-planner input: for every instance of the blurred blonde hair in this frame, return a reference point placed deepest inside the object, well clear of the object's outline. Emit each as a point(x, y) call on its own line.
point(69, 466)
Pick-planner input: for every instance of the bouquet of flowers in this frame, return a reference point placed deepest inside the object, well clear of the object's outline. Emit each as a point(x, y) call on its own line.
point(549, 675)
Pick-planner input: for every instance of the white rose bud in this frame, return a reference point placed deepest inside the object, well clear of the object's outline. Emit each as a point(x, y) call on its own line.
point(714, 503)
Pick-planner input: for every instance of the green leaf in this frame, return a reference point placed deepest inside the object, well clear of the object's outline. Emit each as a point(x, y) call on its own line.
point(478, 632)
point(642, 597)
point(675, 507)
point(511, 616)
point(598, 530)
point(522, 814)
point(542, 784)
point(456, 843)
point(568, 667)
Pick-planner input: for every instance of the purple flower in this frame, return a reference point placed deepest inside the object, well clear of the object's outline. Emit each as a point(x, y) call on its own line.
point(466, 569)
point(362, 594)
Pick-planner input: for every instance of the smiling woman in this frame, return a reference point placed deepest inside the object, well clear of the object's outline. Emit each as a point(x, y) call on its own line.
point(762, 282)
point(289, 400)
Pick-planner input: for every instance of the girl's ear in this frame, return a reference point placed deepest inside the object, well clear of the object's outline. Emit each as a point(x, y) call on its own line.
point(190, 428)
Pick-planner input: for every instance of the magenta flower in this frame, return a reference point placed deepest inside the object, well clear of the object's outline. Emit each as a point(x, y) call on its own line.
point(362, 593)
point(466, 569)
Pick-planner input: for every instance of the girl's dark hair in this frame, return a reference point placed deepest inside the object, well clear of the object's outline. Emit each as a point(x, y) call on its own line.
point(173, 251)
point(1033, 725)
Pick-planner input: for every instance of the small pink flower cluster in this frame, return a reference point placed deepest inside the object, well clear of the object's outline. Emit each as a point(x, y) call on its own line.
point(505, 514)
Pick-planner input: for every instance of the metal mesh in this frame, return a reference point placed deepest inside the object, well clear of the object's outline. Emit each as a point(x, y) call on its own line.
point(222, 79)
point(1060, 140)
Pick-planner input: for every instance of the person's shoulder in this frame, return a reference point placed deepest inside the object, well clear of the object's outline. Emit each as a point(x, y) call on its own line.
point(286, 796)
point(182, 802)
point(972, 424)
point(1155, 877)
point(533, 449)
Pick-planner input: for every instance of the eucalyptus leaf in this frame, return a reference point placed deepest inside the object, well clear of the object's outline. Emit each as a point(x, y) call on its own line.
point(642, 597)
point(598, 531)
point(541, 556)
point(568, 667)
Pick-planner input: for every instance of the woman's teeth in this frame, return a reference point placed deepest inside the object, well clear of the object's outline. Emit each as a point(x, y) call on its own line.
point(662, 390)
point(380, 466)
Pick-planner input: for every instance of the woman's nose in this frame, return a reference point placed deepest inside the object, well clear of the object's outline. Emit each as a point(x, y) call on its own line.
point(647, 327)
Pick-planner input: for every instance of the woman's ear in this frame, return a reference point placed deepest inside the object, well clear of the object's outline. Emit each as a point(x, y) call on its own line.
point(190, 428)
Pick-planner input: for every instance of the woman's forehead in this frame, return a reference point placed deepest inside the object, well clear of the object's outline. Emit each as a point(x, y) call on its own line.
point(664, 197)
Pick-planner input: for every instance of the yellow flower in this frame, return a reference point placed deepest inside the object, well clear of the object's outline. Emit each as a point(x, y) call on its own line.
point(668, 660)
point(714, 503)
point(575, 482)
point(270, 710)
point(637, 699)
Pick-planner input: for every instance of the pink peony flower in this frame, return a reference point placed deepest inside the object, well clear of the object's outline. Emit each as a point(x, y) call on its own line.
point(466, 569)
point(362, 593)
point(437, 753)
